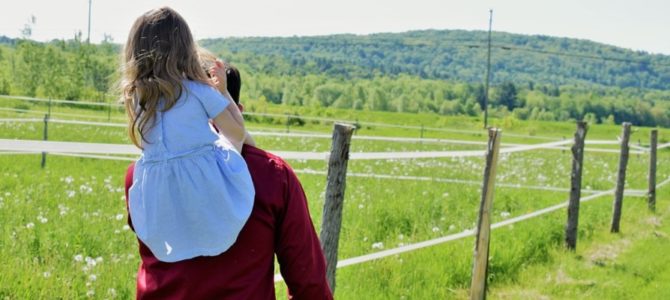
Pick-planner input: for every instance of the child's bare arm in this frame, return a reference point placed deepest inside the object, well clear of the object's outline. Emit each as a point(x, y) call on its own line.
point(231, 124)
point(219, 79)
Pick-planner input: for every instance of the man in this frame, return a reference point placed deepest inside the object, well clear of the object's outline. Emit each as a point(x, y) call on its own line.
point(279, 224)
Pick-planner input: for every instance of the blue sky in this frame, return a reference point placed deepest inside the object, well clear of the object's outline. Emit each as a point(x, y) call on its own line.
point(638, 25)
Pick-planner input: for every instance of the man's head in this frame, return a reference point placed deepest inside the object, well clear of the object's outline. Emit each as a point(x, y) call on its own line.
point(233, 79)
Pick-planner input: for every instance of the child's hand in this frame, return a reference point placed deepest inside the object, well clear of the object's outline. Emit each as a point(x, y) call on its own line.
point(218, 73)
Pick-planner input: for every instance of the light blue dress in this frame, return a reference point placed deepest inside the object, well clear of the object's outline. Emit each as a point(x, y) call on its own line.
point(192, 192)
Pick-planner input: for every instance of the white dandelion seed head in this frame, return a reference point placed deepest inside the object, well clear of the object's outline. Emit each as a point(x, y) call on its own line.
point(119, 217)
point(378, 245)
point(78, 258)
point(90, 261)
point(30, 225)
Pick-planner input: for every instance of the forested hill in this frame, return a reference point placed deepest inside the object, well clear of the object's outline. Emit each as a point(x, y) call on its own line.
point(454, 55)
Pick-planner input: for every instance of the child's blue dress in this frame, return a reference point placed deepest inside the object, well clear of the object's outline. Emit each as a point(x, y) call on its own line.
point(192, 192)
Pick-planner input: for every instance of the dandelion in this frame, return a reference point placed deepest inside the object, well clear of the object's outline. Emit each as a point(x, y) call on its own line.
point(111, 292)
point(92, 277)
point(452, 227)
point(126, 227)
point(90, 293)
point(46, 274)
point(378, 245)
point(98, 259)
point(361, 206)
point(505, 214)
point(30, 225)
point(69, 179)
point(90, 262)
point(119, 217)
point(78, 258)
point(436, 229)
point(42, 219)
point(70, 194)
point(84, 188)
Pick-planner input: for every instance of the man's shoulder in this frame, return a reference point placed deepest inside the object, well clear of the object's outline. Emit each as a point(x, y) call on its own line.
point(259, 158)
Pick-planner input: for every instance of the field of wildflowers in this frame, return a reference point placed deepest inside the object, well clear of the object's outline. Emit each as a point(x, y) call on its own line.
point(63, 231)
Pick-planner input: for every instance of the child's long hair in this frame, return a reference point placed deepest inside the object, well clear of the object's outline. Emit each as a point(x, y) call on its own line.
point(159, 54)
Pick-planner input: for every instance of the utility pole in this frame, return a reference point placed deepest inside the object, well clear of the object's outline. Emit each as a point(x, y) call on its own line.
point(488, 74)
point(88, 39)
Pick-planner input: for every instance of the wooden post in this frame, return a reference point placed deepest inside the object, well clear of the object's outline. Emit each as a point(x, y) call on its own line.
point(575, 186)
point(288, 123)
point(651, 194)
point(621, 178)
point(332, 207)
point(109, 108)
point(481, 253)
point(45, 137)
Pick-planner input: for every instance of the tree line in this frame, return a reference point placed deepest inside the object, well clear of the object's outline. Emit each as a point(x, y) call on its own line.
point(318, 72)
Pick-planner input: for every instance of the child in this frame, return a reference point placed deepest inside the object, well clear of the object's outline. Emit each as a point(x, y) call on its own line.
point(192, 192)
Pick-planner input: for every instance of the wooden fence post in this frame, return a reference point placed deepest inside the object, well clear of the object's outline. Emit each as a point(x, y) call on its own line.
point(651, 194)
point(575, 186)
point(621, 178)
point(45, 137)
point(288, 123)
point(109, 106)
point(332, 207)
point(481, 253)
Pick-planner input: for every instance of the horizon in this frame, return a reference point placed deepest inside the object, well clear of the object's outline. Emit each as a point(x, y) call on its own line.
point(634, 26)
point(640, 51)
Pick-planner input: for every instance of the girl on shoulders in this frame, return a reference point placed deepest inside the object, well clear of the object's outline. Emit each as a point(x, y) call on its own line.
point(192, 192)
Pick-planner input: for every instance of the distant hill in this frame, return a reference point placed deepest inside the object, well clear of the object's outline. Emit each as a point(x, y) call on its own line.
point(454, 55)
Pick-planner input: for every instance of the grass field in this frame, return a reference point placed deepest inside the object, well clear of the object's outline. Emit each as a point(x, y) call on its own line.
point(63, 232)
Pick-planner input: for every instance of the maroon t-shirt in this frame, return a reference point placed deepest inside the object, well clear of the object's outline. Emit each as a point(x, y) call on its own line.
point(279, 224)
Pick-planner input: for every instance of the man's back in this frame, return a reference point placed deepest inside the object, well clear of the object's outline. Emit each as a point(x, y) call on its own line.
point(279, 223)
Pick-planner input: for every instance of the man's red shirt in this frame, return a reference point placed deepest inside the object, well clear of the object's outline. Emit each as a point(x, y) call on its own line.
point(279, 224)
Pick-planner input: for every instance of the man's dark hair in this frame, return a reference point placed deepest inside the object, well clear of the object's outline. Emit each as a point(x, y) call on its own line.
point(234, 82)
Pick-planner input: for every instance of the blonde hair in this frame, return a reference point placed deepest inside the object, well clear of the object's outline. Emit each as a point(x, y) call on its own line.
point(207, 58)
point(159, 54)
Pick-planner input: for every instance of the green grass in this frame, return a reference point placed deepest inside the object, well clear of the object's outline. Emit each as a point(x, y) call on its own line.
point(74, 209)
point(632, 264)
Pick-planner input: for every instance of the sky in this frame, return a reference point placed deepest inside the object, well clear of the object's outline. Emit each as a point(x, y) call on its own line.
point(638, 25)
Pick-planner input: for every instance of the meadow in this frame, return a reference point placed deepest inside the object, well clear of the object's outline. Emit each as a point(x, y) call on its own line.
point(63, 231)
